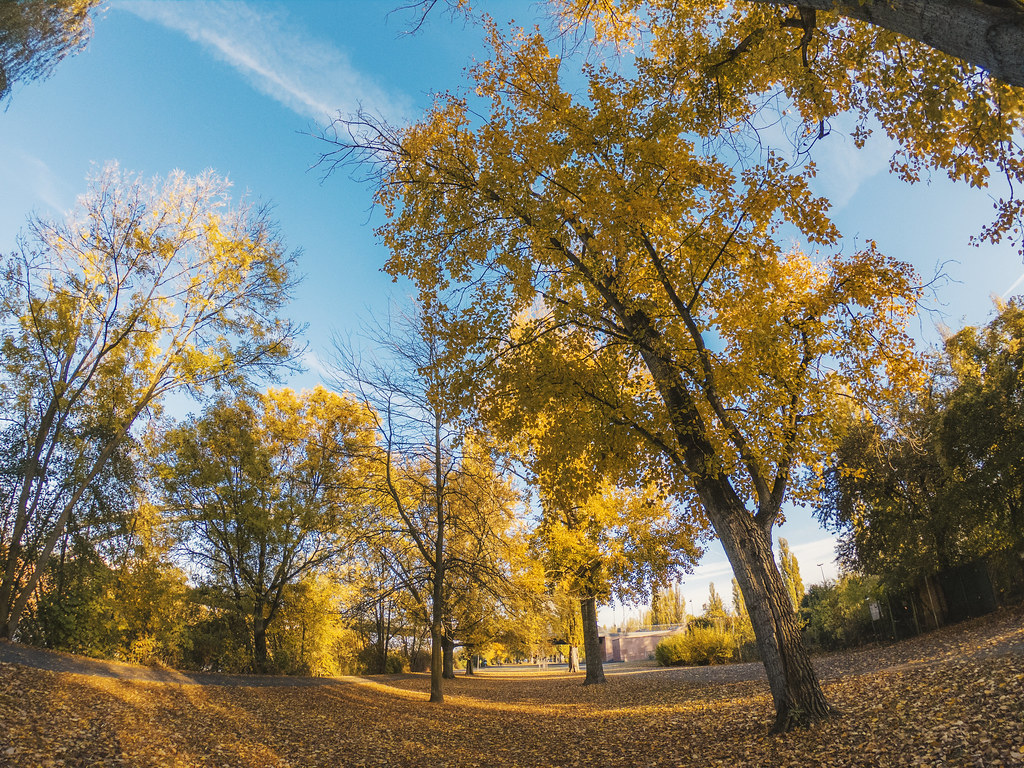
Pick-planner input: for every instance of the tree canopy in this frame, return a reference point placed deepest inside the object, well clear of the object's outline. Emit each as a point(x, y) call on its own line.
point(148, 289)
point(598, 219)
point(36, 35)
point(261, 495)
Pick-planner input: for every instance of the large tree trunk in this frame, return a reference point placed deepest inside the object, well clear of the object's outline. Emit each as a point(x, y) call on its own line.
point(574, 658)
point(986, 33)
point(436, 662)
point(448, 671)
point(259, 640)
point(747, 542)
point(591, 642)
point(793, 682)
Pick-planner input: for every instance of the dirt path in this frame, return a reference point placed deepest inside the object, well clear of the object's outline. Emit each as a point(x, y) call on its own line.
point(998, 634)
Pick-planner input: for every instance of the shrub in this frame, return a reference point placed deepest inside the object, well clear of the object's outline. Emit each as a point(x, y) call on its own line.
point(836, 615)
point(699, 646)
point(709, 645)
point(672, 651)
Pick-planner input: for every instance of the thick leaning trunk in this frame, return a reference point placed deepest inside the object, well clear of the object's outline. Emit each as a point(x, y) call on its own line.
point(989, 35)
point(591, 642)
point(793, 682)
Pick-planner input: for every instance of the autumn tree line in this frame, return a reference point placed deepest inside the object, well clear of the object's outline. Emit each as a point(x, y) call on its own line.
point(371, 528)
point(624, 279)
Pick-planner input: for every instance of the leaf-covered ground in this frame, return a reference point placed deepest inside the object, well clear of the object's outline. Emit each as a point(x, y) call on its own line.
point(952, 698)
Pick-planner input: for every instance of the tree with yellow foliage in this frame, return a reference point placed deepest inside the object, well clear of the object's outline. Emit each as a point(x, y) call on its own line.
point(149, 289)
point(609, 526)
point(443, 503)
point(259, 493)
point(940, 78)
point(671, 271)
point(35, 35)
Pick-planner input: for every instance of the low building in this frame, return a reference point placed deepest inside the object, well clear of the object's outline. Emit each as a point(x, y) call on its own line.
point(636, 646)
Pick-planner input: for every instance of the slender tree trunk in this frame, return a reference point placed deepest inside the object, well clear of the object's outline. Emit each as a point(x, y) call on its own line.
point(449, 658)
point(437, 618)
point(574, 659)
point(591, 642)
point(793, 682)
point(469, 665)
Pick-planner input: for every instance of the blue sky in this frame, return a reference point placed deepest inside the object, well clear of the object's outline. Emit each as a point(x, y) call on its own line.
point(240, 87)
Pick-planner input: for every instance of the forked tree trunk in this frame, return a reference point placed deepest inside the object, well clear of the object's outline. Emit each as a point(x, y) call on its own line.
point(591, 642)
point(793, 682)
point(747, 542)
point(574, 659)
point(448, 671)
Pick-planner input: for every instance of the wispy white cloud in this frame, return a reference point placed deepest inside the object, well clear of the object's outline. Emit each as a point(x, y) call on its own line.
point(811, 553)
point(842, 168)
point(310, 76)
point(1013, 287)
point(316, 365)
point(29, 186)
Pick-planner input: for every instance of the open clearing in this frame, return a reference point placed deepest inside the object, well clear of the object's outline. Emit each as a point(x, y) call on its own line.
point(950, 698)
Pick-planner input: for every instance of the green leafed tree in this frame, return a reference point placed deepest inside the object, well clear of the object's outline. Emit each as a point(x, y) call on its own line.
point(147, 289)
point(258, 492)
point(714, 608)
point(937, 482)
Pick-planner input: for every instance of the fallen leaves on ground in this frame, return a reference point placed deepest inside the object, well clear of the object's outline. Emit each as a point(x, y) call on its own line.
point(952, 698)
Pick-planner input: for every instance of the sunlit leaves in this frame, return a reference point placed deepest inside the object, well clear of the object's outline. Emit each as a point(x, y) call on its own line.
point(260, 493)
point(147, 288)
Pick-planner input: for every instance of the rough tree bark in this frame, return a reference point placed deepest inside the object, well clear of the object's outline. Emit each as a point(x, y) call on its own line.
point(259, 640)
point(591, 642)
point(746, 538)
point(986, 33)
point(448, 672)
point(793, 682)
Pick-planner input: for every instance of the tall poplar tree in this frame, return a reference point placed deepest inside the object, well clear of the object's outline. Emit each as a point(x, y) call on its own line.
point(790, 570)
